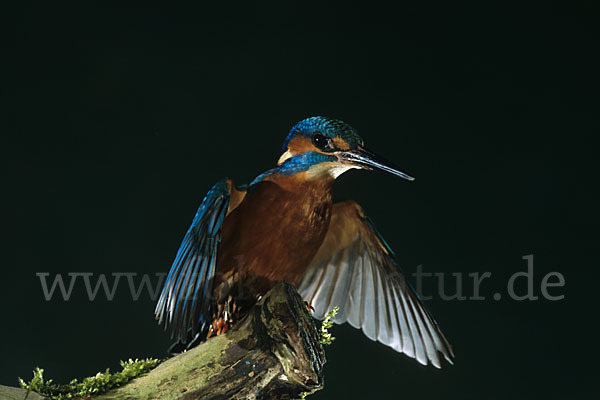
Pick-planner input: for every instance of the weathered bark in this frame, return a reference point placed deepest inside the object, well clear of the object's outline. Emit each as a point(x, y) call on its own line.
point(274, 353)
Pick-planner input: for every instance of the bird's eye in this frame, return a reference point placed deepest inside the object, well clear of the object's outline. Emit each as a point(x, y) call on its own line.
point(321, 142)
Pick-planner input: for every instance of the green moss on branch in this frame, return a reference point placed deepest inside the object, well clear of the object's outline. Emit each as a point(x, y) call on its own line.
point(93, 385)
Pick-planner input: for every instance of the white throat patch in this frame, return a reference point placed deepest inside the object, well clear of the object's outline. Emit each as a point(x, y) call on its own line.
point(332, 169)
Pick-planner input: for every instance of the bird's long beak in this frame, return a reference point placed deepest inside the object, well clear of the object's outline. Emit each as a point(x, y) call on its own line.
point(365, 159)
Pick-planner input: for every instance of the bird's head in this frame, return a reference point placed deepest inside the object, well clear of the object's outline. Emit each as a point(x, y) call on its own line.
point(327, 148)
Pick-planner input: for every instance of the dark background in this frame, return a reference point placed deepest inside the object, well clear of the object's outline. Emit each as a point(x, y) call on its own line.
point(121, 118)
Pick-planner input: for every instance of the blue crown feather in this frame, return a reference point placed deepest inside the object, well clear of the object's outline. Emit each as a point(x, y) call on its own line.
point(328, 127)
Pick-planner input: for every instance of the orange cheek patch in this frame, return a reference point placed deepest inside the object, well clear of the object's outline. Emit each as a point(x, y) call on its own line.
point(301, 144)
point(341, 143)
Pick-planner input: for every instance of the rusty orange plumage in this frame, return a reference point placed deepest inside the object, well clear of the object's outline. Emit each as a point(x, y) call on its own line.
point(284, 226)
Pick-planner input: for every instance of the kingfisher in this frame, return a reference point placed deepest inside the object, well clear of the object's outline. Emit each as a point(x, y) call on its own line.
point(284, 226)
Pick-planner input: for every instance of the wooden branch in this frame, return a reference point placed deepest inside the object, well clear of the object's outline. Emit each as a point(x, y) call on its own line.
point(273, 353)
point(13, 393)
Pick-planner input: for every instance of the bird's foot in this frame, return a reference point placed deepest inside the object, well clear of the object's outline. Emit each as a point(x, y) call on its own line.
point(223, 318)
point(309, 307)
point(219, 326)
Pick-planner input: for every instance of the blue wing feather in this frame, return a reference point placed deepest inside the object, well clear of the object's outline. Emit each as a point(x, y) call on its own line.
point(185, 304)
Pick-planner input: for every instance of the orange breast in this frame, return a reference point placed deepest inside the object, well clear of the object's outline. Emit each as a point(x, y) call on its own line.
point(272, 236)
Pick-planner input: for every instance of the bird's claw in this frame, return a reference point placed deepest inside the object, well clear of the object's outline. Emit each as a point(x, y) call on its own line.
point(309, 307)
point(218, 327)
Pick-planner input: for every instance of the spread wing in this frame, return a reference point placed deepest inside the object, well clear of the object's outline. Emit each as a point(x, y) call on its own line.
point(356, 270)
point(185, 304)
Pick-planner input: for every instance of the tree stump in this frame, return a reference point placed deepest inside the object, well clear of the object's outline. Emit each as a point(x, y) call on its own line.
point(273, 353)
